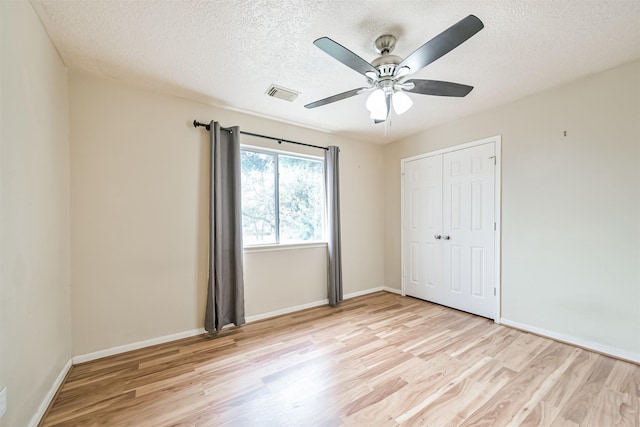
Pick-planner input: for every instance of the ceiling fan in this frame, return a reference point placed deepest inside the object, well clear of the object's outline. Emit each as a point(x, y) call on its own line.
point(387, 75)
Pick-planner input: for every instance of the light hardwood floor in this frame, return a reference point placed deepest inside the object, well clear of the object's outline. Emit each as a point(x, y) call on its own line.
point(377, 360)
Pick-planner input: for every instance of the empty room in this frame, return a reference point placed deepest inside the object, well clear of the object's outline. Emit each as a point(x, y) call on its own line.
point(319, 213)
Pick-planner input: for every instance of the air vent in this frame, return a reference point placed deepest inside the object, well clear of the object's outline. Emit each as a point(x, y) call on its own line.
point(282, 93)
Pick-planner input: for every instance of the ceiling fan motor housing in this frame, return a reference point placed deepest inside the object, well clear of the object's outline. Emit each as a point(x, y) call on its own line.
point(386, 63)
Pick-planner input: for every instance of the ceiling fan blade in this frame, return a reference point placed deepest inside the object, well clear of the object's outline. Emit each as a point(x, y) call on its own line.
point(338, 97)
point(438, 88)
point(443, 43)
point(344, 55)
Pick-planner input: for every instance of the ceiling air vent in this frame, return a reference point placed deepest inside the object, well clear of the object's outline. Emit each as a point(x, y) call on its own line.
point(282, 93)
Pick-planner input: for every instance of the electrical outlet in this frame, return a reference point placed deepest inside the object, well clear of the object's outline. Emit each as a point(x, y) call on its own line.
point(3, 401)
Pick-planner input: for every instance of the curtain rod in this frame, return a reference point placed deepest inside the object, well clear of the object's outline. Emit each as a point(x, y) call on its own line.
point(280, 140)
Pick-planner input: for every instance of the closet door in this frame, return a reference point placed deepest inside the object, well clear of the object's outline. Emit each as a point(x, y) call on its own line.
point(468, 230)
point(422, 228)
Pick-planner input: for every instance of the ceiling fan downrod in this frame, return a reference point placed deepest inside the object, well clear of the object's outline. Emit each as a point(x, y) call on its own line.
point(385, 44)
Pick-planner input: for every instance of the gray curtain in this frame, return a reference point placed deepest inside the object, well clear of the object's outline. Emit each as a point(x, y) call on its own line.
point(225, 291)
point(332, 181)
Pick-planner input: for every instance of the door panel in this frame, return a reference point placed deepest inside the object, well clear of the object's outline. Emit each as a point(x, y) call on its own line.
point(455, 191)
point(415, 262)
point(468, 220)
point(422, 221)
point(456, 273)
point(477, 272)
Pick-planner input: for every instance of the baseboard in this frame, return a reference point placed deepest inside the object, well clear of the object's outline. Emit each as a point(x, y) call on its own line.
point(287, 310)
point(135, 346)
point(373, 290)
point(392, 290)
point(42, 409)
point(361, 293)
point(579, 342)
point(318, 303)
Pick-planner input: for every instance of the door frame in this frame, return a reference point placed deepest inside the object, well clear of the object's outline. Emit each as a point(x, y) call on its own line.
point(497, 140)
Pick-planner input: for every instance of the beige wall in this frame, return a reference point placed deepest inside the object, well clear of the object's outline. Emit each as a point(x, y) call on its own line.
point(35, 339)
point(139, 216)
point(570, 205)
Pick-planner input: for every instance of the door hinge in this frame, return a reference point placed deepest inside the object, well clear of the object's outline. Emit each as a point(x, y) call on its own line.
point(495, 227)
point(494, 292)
point(494, 159)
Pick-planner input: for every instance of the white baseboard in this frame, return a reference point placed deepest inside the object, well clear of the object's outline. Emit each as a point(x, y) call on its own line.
point(37, 417)
point(392, 290)
point(287, 310)
point(360, 293)
point(135, 346)
point(589, 345)
point(318, 303)
point(372, 290)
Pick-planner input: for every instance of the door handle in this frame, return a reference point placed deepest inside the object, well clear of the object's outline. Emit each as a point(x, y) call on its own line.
point(437, 237)
point(446, 237)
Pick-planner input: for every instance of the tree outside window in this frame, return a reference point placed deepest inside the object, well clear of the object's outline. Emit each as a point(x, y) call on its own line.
point(282, 198)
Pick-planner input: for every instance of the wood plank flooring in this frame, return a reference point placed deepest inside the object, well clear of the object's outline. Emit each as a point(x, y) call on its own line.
point(377, 360)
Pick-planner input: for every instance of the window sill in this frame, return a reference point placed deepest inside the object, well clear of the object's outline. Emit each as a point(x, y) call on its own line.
point(284, 247)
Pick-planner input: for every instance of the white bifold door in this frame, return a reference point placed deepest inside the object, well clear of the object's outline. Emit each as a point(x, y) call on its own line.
point(449, 224)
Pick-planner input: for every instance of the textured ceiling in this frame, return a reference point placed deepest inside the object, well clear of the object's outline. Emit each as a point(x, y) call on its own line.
point(228, 52)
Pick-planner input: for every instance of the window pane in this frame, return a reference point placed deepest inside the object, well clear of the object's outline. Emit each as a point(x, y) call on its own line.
point(258, 198)
point(301, 199)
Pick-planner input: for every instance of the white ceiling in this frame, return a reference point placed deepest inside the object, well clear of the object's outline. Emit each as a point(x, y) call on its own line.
point(227, 52)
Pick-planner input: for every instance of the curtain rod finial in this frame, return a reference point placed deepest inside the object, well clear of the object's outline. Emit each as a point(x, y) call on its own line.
point(197, 123)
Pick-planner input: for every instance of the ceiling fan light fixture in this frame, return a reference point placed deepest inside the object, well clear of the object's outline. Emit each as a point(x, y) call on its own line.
point(401, 102)
point(377, 104)
point(378, 115)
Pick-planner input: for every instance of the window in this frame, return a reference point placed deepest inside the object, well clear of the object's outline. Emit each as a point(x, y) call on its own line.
point(282, 198)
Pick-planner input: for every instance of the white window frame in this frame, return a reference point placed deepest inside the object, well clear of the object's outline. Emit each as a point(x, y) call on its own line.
point(260, 247)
